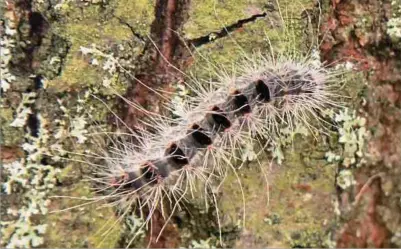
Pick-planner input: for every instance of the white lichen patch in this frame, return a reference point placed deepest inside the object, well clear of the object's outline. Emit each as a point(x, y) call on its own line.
point(32, 179)
point(286, 138)
point(23, 109)
point(135, 226)
point(78, 130)
point(394, 23)
point(108, 62)
point(394, 27)
point(352, 136)
point(25, 235)
point(332, 157)
point(60, 6)
point(201, 244)
point(72, 125)
point(17, 174)
point(7, 43)
point(345, 179)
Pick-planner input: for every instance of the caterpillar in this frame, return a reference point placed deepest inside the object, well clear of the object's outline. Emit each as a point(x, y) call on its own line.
point(202, 142)
point(160, 166)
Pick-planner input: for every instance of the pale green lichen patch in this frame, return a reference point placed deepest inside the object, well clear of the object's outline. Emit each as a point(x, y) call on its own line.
point(109, 27)
point(139, 14)
point(9, 135)
point(210, 16)
point(96, 23)
point(77, 73)
point(309, 238)
point(273, 34)
point(83, 226)
point(91, 69)
point(297, 199)
point(285, 205)
point(26, 181)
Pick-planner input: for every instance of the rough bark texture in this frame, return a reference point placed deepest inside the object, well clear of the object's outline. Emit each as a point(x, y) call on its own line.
point(306, 206)
point(371, 211)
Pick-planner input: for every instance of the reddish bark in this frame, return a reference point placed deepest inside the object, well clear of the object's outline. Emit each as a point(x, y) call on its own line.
point(372, 49)
point(170, 15)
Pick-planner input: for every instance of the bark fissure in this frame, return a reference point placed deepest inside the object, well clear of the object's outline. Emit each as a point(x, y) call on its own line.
point(197, 42)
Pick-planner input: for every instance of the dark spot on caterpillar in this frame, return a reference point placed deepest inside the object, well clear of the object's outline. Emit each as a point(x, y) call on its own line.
point(240, 102)
point(176, 156)
point(310, 83)
point(262, 91)
point(150, 172)
point(294, 84)
point(130, 180)
point(294, 91)
point(308, 91)
point(295, 81)
point(220, 119)
point(198, 134)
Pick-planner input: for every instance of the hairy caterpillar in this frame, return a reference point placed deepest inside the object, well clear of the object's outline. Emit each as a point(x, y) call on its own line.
point(204, 140)
point(264, 93)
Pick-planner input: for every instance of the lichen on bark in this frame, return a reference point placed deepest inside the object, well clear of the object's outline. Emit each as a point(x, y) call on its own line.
point(300, 211)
